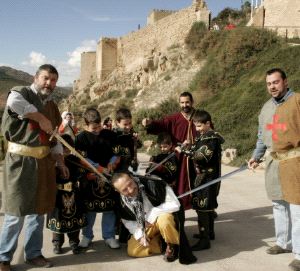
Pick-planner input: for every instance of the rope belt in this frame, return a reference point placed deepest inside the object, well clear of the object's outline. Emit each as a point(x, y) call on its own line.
point(36, 152)
point(293, 153)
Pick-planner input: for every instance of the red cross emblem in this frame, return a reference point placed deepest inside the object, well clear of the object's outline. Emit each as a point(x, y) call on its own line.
point(276, 126)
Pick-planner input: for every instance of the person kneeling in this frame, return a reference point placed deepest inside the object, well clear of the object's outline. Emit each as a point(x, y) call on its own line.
point(149, 210)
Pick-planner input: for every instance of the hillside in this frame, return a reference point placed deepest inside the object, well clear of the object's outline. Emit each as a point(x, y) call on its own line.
point(10, 77)
point(231, 84)
point(225, 71)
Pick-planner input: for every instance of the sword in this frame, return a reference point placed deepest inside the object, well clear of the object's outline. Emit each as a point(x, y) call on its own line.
point(160, 163)
point(242, 168)
point(76, 153)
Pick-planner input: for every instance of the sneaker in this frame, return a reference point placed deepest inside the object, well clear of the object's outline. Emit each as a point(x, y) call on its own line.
point(85, 242)
point(5, 266)
point(112, 243)
point(39, 261)
point(295, 265)
point(171, 253)
point(277, 250)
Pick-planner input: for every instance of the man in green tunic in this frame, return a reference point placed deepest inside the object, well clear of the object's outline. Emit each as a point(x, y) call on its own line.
point(29, 174)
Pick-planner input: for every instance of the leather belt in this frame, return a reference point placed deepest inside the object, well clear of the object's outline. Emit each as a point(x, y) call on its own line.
point(293, 153)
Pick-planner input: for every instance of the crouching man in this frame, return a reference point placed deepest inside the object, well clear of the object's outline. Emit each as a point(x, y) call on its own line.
point(151, 212)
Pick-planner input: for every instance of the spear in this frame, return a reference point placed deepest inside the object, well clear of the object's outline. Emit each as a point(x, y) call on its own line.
point(76, 153)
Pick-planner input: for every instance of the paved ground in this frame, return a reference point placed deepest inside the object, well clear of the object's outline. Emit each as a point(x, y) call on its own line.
point(244, 229)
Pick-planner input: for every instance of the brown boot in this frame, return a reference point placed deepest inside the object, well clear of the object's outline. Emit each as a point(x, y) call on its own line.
point(39, 261)
point(5, 266)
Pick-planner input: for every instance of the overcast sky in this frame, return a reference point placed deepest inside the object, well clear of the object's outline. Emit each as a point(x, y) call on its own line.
point(34, 32)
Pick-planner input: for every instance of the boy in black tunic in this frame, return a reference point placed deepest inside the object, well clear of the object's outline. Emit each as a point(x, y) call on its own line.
point(127, 140)
point(167, 171)
point(206, 166)
point(99, 197)
point(69, 213)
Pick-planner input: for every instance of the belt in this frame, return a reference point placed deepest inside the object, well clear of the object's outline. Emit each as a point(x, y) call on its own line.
point(65, 187)
point(293, 153)
point(36, 152)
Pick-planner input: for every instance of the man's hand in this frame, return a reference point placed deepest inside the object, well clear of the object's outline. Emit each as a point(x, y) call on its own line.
point(146, 122)
point(252, 164)
point(144, 241)
point(64, 171)
point(43, 122)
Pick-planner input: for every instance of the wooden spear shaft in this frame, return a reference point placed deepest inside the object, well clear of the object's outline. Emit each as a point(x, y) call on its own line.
point(76, 153)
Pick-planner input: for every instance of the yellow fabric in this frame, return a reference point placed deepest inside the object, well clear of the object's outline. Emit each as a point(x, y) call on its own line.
point(36, 152)
point(163, 227)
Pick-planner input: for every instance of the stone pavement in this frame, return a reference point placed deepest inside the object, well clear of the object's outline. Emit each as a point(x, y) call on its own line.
point(244, 229)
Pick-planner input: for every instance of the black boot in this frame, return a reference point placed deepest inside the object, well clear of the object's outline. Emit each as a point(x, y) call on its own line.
point(212, 226)
point(203, 225)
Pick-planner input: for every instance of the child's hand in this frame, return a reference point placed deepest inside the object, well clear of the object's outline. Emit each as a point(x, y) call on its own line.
point(178, 149)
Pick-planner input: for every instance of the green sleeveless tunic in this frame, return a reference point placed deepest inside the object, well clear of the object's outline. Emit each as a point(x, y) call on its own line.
point(29, 183)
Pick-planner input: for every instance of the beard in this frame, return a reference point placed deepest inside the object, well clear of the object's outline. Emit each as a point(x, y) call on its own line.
point(44, 92)
point(186, 109)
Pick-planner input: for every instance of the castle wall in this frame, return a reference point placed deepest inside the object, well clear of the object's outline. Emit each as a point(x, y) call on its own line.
point(88, 68)
point(283, 16)
point(258, 17)
point(156, 15)
point(106, 57)
point(136, 46)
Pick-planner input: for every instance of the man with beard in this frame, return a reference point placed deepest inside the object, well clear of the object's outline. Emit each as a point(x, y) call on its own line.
point(29, 172)
point(278, 136)
point(181, 128)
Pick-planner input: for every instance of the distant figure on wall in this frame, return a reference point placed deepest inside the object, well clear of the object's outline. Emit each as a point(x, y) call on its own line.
point(216, 27)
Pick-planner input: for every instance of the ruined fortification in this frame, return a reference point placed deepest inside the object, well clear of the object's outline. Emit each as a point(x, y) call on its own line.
point(87, 71)
point(130, 52)
point(282, 16)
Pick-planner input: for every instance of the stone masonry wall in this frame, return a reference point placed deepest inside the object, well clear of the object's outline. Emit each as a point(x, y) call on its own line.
point(106, 57)
point(156, 15)
point(136, 46)
point(283, 16)
point(88, 68)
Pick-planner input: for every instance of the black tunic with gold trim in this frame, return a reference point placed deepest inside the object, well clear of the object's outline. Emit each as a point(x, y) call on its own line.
point(168, 171)
point(99, 196)
point(206, 155)
point(69, 213)
point(126, 147)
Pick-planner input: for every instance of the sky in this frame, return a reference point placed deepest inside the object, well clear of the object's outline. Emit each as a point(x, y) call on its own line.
point(34, 32)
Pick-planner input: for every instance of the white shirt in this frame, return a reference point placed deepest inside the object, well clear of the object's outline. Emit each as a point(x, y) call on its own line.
point(18, 104)
point(170, 205)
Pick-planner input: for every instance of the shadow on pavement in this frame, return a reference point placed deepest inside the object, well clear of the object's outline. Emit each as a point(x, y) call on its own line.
point(239, 231)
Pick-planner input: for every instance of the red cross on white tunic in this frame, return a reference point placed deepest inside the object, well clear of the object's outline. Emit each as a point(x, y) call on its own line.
point(276, 126)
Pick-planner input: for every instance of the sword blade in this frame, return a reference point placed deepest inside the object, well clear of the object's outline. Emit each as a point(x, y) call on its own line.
point(242, 168)
point(160, 163)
